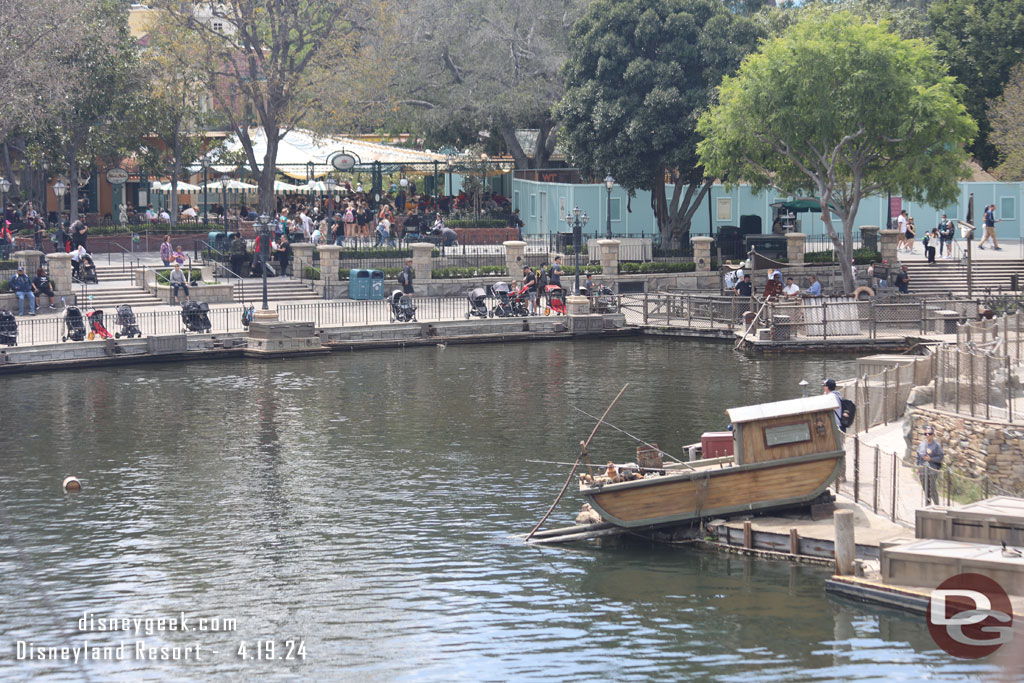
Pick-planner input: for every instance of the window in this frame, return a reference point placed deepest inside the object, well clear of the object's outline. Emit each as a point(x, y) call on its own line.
point(218, 26)
point(724, 209)
point(1007, 208)
point(616, 211)
point(533, 206)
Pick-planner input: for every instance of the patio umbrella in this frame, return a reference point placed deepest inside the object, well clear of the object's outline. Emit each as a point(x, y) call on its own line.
point(281, 187)
point(802, 205)
point(232, 186)
point(183, 187)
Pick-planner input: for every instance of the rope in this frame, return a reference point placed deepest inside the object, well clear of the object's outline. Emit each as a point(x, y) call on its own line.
point(637, 439)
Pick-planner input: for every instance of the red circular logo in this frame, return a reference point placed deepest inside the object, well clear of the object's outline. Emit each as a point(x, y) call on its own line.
point(970, 616)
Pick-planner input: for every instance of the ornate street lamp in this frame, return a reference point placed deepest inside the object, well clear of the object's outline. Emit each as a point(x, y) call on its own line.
point(609, 183)
point(331, 184)
point(576, 222)
point(5, 187)
point(224, 180)
point(451, 186)
point(263, 229)
point(59, 188)
point(483, 181)
point(310, 171)
point(205, 162)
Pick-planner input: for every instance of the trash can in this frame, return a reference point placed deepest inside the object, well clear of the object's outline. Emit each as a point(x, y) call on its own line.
point(364, 283)
point(359, 283)
point(376, 284)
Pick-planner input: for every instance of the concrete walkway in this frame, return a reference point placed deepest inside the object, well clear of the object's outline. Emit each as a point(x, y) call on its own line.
point(891, 448)
point(1009, 250)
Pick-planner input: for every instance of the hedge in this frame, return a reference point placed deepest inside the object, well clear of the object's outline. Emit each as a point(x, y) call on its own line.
point(860, 256)
point(476, 223)
point(657, 267)
point(162, 228)
point(163, 276)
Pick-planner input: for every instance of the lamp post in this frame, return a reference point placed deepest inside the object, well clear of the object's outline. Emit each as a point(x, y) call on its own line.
point(609, 183)
point(451, 185)
point(331, 184)
point(576, 222)
point(205, 162)
point(483, 181)
point(59, 188)
point(224, 180)
point(5, 187)
point(263, 229)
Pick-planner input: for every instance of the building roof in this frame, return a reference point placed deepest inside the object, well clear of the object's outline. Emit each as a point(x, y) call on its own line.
point(794, 406)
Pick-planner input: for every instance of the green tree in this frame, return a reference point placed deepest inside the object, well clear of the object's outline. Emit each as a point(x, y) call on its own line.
point(639, 75)
point(1006, 115)
point(811, 112)
point(980, 40)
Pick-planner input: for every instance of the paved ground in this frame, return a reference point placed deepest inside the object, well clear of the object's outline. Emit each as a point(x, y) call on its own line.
point(891, 449)
point(1010, 249)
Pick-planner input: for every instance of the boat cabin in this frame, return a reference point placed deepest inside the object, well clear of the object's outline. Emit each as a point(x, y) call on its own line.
point(785, 429)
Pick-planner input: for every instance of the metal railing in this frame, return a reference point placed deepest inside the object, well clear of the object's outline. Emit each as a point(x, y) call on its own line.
point(683, 310)
point(53, 329)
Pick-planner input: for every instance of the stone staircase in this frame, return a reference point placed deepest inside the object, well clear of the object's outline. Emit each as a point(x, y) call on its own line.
point(945, 277)
point(116, 288)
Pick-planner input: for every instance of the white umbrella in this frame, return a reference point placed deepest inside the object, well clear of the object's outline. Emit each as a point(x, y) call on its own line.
point(232, 186)
point(183, 187)
point(281, 187)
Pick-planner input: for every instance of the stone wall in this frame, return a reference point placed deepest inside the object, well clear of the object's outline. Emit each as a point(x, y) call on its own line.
point(974, 446)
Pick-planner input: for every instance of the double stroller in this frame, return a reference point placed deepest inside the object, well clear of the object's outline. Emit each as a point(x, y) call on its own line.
point(8, 329)
point(477, 306)
point(509, 304)
point(402, 309)
point(196, 316)
point(74, 324)
point(126, 319)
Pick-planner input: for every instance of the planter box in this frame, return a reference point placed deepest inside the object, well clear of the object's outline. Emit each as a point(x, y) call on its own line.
point(991, 521)
point(223, 293)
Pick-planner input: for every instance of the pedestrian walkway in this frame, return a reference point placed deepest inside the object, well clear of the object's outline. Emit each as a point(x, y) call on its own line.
point(878, 476)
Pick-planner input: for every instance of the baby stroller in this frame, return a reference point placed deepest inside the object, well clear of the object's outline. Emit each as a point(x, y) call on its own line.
point(520, 304)
point(195, 316)
point(126, 319)
point(8, 329)
point(477, 306)
point(74, 324)
point(604, 302)
point(88, 270)
point(556, 299)
point(504, 307)
point(402, 309)
point(96, 324)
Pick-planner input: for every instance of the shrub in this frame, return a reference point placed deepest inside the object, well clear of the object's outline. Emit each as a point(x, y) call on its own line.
point(374, 253)
point(311, 273)
point(163, 276)
point(471, 271)
point(657, 267)
point(162, 228)
point(476, 223)
point(860, 256)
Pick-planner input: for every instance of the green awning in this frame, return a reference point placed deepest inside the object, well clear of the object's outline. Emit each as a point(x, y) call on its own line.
point(802, 205)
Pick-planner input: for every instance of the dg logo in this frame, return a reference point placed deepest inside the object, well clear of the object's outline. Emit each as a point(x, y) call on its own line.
point(970, 616)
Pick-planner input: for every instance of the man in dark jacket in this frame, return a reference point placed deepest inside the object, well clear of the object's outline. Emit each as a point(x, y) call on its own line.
point(237, 254)
point(22, 286)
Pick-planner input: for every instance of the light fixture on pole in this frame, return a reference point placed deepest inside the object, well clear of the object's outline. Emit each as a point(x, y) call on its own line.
point(576, 221)
point(331, 184)
point(310, 171)
point(224, 180)
point(609, 183)
point(59, 188)
point(264, 231)
point(205, 162)
point(5, 187)
point(803, 387)
point(451, 162)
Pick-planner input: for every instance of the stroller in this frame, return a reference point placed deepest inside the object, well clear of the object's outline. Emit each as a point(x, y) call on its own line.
point(556, 299)
point(520, 303)
point(8, 329)
point(96, 324)
point(88, 270)
point(195, 316)
point(504, 307)
point(402, 309)
point(477, 306)
point(74, 324)
point(604, 302)
point(126, 319)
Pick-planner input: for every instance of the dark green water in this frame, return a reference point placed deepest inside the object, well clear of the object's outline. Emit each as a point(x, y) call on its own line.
point(372, 506)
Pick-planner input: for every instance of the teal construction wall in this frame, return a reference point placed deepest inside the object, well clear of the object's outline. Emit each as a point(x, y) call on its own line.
point(543, 207)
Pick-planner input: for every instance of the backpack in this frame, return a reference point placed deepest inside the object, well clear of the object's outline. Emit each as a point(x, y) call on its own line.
point(402, 277)
point(847, 411)
point(542, 279)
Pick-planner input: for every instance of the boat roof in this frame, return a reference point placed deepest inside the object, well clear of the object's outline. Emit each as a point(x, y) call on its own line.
point(794, 406)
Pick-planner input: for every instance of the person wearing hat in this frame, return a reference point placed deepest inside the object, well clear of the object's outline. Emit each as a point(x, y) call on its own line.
point(946, 234)
point(22, 287)
point(405, 277)
point(178, 280)
point(929, 462)
point(829, 387)
point(530, 282)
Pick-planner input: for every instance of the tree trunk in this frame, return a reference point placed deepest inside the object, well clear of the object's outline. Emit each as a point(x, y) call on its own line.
point(508, 134)
point(267, 202)
point(843, 247)
point(175, 174)
point(674, 220)
point(73, 182)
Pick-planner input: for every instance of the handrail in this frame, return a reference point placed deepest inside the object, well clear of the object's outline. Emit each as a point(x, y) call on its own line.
point(239, 283)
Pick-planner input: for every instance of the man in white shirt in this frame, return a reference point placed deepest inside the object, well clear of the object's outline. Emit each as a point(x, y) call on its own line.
point(307, 224)
point(792, 290)
point(189, 212)
point(164, 216)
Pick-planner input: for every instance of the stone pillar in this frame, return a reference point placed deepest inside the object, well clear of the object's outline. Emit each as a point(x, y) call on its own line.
point(421, 260)
point(869, 237)
point(609, 256)
point(577, 305)
point(702, 253)
point(60, 272)
point(302, 258)
point(515, 251)
point(796, 244)
point(30, 260)
point(888, 239)
point(328, 262)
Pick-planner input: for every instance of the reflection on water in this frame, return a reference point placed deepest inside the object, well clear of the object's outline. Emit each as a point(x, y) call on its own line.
point(373, 505)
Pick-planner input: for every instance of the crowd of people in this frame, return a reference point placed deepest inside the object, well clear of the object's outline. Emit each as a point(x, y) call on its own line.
point(741, 284)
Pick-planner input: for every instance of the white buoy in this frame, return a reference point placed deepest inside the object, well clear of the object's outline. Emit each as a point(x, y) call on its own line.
point(72, 484)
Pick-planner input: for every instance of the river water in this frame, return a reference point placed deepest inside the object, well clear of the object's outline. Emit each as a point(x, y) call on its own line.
point(370, 507)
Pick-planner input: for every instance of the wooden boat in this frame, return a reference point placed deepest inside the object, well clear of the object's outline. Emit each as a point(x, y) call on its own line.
point(785, 454)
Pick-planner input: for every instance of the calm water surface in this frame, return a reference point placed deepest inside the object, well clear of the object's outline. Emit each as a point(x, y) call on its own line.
point(372, 506)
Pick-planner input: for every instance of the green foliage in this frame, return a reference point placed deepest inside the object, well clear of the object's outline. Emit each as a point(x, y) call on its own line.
point(153, 229)
point(375, 253)
point(860, 257)
point(639, 74)
point(980, 41)
point(571, 270)
point(5, 286)
point(627, 268)
point(477, 223)
point(477, 271)
point(163, 275)
point(311, 273)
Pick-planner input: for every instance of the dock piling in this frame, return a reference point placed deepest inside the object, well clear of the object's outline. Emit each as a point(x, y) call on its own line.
point(845, 546)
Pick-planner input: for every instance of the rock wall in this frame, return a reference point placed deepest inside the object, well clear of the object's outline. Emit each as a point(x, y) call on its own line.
point(975, 446)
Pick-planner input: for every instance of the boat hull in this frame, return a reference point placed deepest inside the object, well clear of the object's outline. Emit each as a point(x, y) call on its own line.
point(711, 492)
